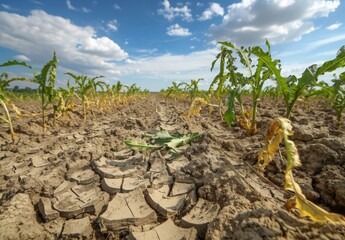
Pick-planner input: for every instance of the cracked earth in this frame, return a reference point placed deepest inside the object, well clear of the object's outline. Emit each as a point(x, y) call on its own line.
point(81, 181)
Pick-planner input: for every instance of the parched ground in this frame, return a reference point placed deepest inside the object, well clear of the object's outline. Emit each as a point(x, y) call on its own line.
point(80, 180)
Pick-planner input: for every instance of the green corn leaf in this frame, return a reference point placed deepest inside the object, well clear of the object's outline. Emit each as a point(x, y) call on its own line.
point(334, 64)
point(15, 63)
point(177, 142)
point(141, 146)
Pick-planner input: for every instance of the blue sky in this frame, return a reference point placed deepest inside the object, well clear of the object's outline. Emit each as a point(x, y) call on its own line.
point(155, 42)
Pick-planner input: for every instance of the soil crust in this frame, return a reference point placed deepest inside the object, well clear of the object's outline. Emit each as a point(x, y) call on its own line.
point(78, 180)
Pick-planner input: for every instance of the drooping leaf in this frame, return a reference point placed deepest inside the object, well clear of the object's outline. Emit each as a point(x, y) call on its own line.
point(141, 146)
point(281, 129)
point(177, 142)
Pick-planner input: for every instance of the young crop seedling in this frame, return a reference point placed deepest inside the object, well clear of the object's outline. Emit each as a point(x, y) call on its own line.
point(293, 87)
point(84, 89)
point(5, 81)
point(334, 95)
point(174, 90)
point(279, 131)
point(258, 75)
point(46, 80)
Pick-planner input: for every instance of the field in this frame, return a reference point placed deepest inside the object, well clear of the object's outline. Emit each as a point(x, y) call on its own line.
point(80, 179)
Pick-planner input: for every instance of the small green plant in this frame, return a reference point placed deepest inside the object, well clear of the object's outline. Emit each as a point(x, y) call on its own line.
point(84, 89)
point(292, 87)
point(258, 75)
point(336, 95)
point(339, 97)
point(192, 88)
point(229, 83)
point(64, 103)
point(5, 81)
point(132, 89)
point(46, 80)
point(174, 90)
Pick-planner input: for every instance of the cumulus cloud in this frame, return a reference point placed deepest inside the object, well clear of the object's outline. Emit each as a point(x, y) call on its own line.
point(39, 34)
point(186, 67)
point(22, 58)
point(334, 26)
point(251, 21)
point(171, 13)
point(117, 7)
point(214, 10)
point(177, 30)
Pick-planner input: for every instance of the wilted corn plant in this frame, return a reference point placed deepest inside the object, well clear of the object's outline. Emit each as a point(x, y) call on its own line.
point(64, 103)
point(4, 83)
point(293, 87)
point(279, 131)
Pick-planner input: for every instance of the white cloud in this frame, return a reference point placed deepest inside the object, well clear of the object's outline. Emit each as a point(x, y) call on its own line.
point(334, 26)
point(326, 41)
point(214, 10)
point(170, 12)
point(39, 34)
point(22, 58)
point(251, 21)
point(85, 10)
point(112, 25)
point(117, 7)
point(190, 66)
point(37, 2)
point(70, 6)
point(7, 7)
point(177, 30)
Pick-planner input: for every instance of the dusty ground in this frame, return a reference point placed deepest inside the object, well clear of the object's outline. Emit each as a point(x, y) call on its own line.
point(81, 181)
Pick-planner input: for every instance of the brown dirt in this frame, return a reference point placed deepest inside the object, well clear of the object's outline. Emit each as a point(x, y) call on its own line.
point(79, 180)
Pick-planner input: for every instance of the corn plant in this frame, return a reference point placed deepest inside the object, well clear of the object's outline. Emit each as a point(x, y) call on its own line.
point(335, 94)
point(46, 80)
point(257, 76)
point(339, 97)
point(64, 101)
point(132, 90)
point(293, 87)
point(115, 91)
point(174, 90)
point(229, 82)
point(84, 88)
point(192, 88)
point(5, 81)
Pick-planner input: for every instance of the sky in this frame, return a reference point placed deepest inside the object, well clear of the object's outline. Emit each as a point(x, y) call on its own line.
point(155, 42)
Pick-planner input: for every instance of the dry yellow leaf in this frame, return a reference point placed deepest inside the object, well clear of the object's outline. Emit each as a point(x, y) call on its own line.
point(280, 129)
